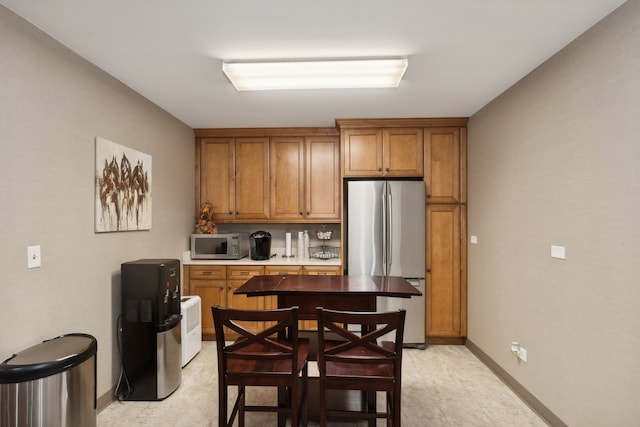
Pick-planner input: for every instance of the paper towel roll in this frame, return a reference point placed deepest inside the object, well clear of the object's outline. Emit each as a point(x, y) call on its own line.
point(287, 244)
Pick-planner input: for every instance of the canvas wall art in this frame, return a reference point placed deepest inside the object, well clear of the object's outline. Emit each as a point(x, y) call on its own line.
point(123, 188)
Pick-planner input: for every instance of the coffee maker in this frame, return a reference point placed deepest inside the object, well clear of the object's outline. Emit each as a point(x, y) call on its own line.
point(260, 244)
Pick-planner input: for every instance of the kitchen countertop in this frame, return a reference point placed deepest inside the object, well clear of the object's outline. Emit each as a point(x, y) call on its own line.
point(276, 260)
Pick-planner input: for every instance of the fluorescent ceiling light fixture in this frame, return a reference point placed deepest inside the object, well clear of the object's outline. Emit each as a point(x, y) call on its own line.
point(316, 74)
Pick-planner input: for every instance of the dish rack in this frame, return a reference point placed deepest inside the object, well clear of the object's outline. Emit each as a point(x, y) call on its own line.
point(324, 251)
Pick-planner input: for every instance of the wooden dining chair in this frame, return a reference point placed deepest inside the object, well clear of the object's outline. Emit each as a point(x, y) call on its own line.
point(261, 358)
point(360, 361)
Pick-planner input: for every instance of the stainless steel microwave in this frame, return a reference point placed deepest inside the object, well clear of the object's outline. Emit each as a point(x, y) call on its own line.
point(219, 246)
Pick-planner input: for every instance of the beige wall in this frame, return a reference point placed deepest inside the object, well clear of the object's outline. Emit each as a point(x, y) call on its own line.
point(52, 106)
point(555, 160)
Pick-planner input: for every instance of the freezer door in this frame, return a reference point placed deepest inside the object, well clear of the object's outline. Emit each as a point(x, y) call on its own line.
point(414, 327)
point(365, 227)
point(406, 232)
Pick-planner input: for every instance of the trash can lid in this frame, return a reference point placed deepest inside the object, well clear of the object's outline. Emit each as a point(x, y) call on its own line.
point(48, 358)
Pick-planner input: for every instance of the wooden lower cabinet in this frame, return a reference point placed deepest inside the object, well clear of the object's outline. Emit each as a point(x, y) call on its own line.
point(216, 284)
point(446, 297)
point(236, 277)
point(319, 270)
point(210, 284)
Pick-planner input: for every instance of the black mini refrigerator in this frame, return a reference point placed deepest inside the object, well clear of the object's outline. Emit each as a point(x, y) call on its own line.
point(151, 342)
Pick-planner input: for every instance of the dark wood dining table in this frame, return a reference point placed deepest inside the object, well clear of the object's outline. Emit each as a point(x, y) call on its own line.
point(349, 293)
point(353, 293)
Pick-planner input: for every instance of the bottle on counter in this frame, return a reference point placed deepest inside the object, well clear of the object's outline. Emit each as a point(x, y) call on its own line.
point(306, 243)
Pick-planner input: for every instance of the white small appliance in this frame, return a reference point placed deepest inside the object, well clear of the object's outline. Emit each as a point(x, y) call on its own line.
point(190, 308)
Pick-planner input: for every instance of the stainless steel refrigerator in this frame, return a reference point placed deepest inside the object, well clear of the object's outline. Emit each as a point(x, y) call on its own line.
point(386, 237)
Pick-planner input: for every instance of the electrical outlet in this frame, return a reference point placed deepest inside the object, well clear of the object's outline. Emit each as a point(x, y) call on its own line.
point(522, 354)
point(34, 260)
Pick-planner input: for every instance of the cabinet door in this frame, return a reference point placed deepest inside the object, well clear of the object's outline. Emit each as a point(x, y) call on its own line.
point(445, 299)
point(322, 179)
point(287, 171)
point(402, 152)
point(209, 283)
point(217, 176)
point(442, 147)
point(211, 292)
point(362, 152)
point(252, 178)
point(236, 277)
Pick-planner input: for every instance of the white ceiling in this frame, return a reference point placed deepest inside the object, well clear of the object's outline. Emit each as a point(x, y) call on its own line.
point(462, 53)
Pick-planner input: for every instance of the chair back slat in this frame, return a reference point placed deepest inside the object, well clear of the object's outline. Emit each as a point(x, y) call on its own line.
point(259, 346)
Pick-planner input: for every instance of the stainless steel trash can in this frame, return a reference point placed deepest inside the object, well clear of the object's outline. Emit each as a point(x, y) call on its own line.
point(51, 384)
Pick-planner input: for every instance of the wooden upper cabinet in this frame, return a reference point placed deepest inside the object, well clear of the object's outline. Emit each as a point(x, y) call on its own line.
point(305, 178)
point(402, 152)
point(392, 152)
point(445, 164)
point(287, 162)
point(362, 152)
point(233, 177)
point(252, 178)
point(217, 176)
point(322, 178)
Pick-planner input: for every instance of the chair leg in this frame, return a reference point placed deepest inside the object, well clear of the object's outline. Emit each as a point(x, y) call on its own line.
point(397, 410)
point(322, 405)
point(294, 405)
point(222, 405)
point(371, 406)
point(305, 395)
point(241, 408)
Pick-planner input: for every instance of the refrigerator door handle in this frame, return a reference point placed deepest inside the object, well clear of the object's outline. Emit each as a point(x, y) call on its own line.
point(389, 248)
point(385, 226)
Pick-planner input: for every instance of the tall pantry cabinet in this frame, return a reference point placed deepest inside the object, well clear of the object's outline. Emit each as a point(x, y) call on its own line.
point(446, 213)
point(436, 150)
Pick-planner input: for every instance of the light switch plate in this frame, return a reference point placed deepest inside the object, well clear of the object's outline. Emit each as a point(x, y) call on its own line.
point(558, 252)
point(34, 259)
point(474, 240)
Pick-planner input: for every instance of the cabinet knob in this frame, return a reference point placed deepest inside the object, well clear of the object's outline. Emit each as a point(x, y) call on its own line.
point(428, 270)
point(428, 196)
point(387, 169)
point(308, 213)
point(237, 213)
point(230, 212)
point(300, 213)
point(379, 169)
